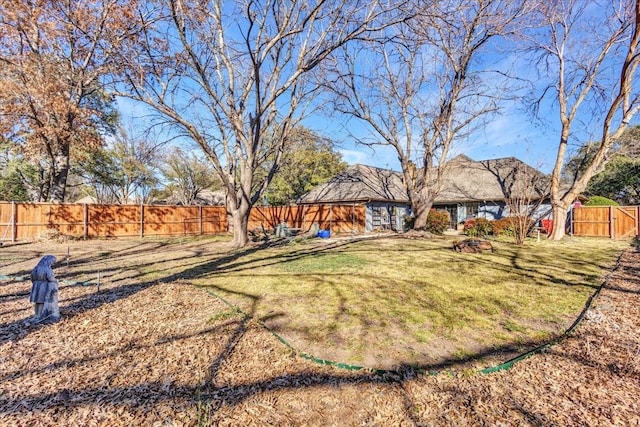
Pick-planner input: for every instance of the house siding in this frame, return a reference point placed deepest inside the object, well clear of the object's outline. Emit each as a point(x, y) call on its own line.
point(470, 189)
point(460, 212)
point(382, 216)
point(491, 210)
point(541, 212)
point(386, 216)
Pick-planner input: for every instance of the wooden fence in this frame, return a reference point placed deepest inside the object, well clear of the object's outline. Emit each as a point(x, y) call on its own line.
point(29, 221)
point(349, 218)
point(615, 222)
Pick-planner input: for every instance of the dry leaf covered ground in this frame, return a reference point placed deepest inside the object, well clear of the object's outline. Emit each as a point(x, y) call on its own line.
point(171, 354)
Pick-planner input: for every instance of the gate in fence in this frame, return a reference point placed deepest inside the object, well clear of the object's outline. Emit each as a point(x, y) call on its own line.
point(615, 222)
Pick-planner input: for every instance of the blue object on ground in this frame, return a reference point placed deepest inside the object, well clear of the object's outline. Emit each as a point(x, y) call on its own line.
point(324, 234)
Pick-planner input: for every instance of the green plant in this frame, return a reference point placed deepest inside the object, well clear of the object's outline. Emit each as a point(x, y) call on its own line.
point(503, 227)
point(203, 410)
point(601, 201)
point(408, 222)
point(513, 326)
point(477, 227)
point(224, 315)
point(437, 221)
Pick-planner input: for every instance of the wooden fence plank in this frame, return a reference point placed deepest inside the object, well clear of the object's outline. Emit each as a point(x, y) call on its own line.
point(37, 220)
point(615, 222)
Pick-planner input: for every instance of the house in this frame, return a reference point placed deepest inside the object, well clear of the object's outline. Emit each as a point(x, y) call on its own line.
point(380, 190)
point(468, 189)
point(481, 189)
point(204, 198)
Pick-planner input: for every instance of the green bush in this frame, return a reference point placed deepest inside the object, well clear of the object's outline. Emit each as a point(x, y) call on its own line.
point(477, 227)
point(503, 227)
point(408, 222)
point(437, 221)
point(601, 201)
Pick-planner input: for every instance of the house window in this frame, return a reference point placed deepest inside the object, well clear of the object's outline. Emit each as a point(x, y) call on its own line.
point(380, 218)
point(472, 210)
point(453, 214)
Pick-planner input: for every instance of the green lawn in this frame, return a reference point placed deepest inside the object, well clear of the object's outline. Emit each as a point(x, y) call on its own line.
point(394, 301)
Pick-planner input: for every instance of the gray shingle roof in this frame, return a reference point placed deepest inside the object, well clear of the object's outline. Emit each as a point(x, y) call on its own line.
point(359, 183)
point(464, 180)
point(467, 180)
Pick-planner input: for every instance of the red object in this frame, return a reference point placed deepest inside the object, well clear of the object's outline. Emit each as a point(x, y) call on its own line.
point(547, 225)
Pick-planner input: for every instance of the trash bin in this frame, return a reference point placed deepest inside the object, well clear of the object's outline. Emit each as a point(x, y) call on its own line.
point(324, 234)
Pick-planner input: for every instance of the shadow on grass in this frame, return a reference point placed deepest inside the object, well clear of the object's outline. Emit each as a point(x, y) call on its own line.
point(18, 329)
point(146, 395)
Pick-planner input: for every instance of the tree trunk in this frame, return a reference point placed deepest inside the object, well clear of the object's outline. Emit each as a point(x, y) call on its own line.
point(421, 210)
point(239, 216)
point(58, 184)
point(240, 222)
point(560, 215)
point(59, 171)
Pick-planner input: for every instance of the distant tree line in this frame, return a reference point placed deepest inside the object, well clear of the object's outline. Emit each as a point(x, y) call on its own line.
point(142, 169)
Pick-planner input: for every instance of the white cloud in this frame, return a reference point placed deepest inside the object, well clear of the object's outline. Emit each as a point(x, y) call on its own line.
point(379, 156)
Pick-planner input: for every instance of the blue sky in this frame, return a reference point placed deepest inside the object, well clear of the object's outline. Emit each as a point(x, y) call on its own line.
point(512, 132)
point(508, 134)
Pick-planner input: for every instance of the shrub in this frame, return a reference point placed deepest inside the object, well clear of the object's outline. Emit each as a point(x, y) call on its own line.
point(503, 227)
point(477, 227)
point(437, 221)
point(522, 226)
point(601, 201)
point(408, 222)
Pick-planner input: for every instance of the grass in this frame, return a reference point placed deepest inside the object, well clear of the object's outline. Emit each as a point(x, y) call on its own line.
point(385, 302)
point(373, 302)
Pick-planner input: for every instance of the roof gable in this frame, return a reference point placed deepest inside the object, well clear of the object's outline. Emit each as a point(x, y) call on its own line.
point(359, 183)
point(463, 180)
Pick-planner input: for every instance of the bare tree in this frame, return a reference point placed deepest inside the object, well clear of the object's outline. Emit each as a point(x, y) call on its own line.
point(125, 171)
point(526, 189)
point(426, 87)
point(232, 77)
point(53, 57)
point(592, 82)
point(188, 175)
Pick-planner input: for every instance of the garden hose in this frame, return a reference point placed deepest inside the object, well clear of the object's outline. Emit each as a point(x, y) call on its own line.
point(501, 367)
point(509, 363)
point(300, 353)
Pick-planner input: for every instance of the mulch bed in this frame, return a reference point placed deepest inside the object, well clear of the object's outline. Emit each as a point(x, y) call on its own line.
point(171, 354)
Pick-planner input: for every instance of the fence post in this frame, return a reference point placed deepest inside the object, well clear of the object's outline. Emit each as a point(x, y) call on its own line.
point(611, 223)
point(201, 213)
point(353, 217)
point(330, 217)
point(141, 220)
point(304, 219)
point(571, 213)
point(14, 222)
point(85, 220)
